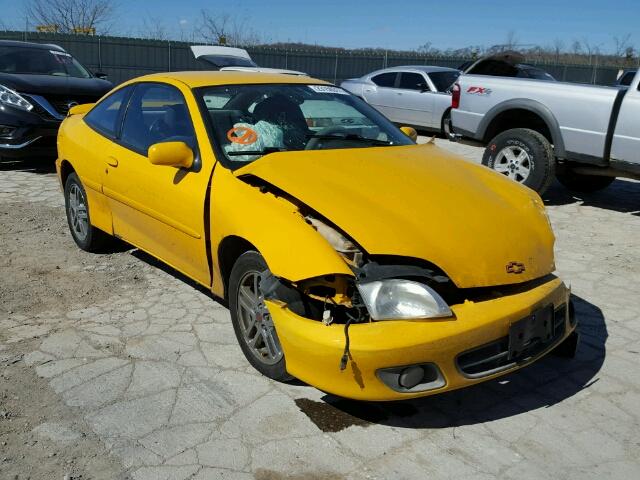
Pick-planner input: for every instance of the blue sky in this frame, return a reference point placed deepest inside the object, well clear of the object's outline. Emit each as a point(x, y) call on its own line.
point(392, 24)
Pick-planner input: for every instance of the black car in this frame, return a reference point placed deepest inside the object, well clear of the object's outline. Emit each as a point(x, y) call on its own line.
point(505, 64)
point(38, 85)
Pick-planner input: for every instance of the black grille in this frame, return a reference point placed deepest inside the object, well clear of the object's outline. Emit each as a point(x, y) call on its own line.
point(494, 357)
point(61, 103)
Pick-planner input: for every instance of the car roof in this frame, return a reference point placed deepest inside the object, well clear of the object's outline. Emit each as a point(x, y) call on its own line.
point(207, 78)
point(415, 68)
point(43, 46)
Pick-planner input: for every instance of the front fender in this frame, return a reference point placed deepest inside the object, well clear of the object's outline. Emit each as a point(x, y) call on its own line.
point(291, 247)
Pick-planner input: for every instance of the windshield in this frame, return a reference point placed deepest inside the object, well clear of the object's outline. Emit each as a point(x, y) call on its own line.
point(443, 80)
point(532, 72)
point(222, 61)
point(249, 121)
point(40, 61)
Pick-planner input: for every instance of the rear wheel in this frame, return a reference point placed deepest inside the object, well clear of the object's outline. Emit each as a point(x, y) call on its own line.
point(583, 183)
point(86, 236)
point(251, 319)
point(447, 127)
point(523, 155)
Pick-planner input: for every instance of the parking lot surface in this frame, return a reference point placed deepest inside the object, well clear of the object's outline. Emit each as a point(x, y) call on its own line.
point(114, 366)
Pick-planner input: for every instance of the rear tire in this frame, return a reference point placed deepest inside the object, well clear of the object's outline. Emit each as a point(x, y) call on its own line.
point(251, 319)
point(523, 155)
point(578, 182)
point(86, 236)
point(447, 127)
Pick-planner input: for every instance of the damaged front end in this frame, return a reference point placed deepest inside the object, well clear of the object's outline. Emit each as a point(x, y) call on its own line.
point(385, 288)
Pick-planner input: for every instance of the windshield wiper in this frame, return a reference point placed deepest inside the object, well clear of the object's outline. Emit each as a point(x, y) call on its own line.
point(350, 136)
point(266, 150)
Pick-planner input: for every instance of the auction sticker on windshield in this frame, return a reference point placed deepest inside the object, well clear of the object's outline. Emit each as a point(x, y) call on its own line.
point(327, 89)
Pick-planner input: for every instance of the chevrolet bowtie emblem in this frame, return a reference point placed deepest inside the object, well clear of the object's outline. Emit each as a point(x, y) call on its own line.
point(515, 267)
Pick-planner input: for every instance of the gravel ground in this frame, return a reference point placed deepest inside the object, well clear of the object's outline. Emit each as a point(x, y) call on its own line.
point(113, 366)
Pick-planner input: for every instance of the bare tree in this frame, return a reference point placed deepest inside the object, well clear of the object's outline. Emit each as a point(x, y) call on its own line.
point(511, 41)
point(558, 48)
point(154, 28)
point(622, 43)
point(72, 16)
point(227, 29)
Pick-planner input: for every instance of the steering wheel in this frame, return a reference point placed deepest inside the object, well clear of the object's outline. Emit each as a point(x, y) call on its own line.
point(157, 130)
point(314, 141)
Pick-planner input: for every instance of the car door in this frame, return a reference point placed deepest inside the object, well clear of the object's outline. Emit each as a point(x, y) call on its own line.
point(414, 100)
point(626, 137)
point(160, 209)
point(380, 93)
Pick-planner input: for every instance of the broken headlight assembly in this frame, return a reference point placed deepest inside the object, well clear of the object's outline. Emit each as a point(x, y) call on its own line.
point(396, 299)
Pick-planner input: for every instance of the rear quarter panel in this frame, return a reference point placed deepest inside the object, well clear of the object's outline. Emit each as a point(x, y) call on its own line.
point(77, 146)
point(582, 111)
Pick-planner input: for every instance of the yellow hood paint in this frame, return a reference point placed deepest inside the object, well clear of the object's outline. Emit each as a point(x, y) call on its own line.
point(418, 201)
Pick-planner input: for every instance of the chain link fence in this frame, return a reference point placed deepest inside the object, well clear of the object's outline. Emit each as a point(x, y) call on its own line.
point(125, 58)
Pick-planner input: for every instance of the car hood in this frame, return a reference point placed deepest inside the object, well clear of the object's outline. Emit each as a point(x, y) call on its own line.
point(55, 85)
point(418, 201)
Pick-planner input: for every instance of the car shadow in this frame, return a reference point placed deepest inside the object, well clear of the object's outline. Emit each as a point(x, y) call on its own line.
point(154, 262)
point(41, 165)
point(622, 195)
point(540, 385)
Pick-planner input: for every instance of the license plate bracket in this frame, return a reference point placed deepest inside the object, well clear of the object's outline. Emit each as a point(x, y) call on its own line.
point(530, 331)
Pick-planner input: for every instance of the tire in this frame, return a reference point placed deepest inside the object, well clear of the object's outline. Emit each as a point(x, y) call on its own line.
point(261, 354)
point(578, 182)
point(447, 127)
point(523, 155)
point(86, 236)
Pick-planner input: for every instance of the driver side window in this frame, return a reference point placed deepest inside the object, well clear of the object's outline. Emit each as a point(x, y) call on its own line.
point(156, 113)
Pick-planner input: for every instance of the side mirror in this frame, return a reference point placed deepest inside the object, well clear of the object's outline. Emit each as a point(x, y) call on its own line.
point(424, 87)
point(410, 132)
point(100, 75)
point(171, 154)
point(80, 109)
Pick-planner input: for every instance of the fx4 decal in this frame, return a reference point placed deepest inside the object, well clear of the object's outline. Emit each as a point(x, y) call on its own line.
point(479, 90)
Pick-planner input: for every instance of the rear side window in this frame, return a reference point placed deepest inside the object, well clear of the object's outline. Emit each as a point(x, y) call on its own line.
point(385, 79)
point(627, 78)
point(412, 81)
point(156, 113)
point(105, 117)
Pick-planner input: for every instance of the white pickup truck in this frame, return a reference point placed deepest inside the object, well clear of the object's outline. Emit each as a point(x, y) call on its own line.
point(534, 130)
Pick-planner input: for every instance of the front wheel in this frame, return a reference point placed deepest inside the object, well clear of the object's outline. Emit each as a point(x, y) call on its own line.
point(251, 319)
point(86, 236)
point(583, 183)
point(523, 155)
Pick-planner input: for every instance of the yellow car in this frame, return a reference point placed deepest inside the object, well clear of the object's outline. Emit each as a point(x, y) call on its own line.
point(351, 258)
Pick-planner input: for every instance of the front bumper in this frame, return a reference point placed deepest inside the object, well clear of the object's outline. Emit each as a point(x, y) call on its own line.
point(313, 350)
point(30, 134)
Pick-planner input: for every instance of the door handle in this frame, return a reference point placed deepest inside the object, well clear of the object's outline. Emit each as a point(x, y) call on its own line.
point(113, 161)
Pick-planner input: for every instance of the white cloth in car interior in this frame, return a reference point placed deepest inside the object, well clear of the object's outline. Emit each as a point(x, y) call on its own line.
point(268, 135)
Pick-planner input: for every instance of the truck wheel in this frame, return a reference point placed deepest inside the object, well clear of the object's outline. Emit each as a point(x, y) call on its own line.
point(447, 127)
point(251, 319)
point(86, 236)
point(583, 183)
point(523, 155)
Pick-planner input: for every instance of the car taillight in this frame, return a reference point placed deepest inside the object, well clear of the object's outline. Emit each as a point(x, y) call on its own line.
point(455, 96)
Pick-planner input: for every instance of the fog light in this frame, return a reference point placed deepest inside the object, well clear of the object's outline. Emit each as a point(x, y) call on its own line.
point(412, 378)
point(6, 131)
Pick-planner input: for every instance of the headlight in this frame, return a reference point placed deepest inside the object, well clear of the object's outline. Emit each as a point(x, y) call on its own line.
point(13, 99)
point(402, 299)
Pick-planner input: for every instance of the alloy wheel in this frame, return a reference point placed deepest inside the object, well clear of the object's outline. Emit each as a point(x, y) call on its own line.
point(256, 324)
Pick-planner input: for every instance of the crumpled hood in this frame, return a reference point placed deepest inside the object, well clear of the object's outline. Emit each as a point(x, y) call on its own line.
point(419, 201)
